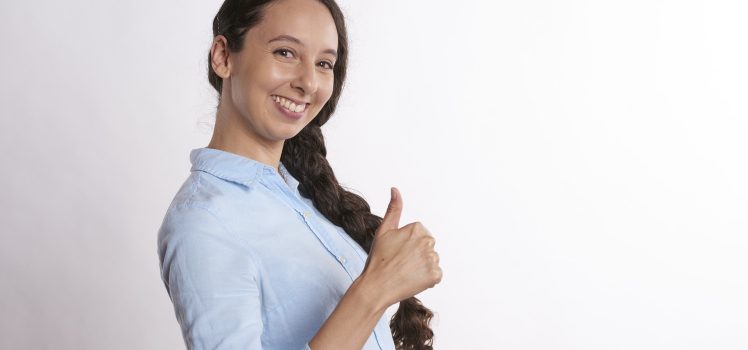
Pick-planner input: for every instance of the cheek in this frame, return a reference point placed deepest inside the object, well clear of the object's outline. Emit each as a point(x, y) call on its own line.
point(325, 90)
point(273, 76)
point(258, 81)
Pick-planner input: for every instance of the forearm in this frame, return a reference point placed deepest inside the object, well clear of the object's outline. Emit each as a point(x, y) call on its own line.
point(352, 321)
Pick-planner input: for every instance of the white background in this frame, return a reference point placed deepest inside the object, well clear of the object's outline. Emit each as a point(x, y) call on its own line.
point(582, 164)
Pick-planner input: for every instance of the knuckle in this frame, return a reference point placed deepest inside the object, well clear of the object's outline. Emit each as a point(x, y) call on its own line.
point(436, 275)
point(392, 208)
point(427, 243)
point(430, 240)
point(418, 228)
point(411, 234)
point(412, 227)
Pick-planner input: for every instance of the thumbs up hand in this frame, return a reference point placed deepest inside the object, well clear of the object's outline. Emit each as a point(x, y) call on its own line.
point(402, 261)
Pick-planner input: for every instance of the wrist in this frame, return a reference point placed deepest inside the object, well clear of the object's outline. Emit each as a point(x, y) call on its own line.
point(369, 294)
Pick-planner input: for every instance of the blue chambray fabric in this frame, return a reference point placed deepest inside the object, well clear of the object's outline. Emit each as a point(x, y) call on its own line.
point(251, 264)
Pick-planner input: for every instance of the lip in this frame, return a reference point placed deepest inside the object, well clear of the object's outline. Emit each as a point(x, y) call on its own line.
point(287, 113)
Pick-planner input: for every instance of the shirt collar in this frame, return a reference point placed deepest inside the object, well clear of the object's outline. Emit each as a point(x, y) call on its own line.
point(233, 167)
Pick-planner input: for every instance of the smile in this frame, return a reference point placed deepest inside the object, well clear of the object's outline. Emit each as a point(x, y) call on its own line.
point(290, 105)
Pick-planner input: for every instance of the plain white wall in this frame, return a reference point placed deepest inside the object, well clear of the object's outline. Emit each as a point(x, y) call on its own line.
point(582, 164)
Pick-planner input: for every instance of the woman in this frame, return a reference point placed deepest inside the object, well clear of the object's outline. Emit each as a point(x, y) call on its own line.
point(261, 248)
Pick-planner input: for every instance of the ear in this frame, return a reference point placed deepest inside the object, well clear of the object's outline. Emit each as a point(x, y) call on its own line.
point(219, 57)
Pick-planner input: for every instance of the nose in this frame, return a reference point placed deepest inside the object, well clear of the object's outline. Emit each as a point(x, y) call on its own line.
point(306, 80)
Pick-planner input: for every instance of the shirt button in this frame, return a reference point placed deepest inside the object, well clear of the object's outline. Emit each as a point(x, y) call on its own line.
point(341, 259)
point(306, 214)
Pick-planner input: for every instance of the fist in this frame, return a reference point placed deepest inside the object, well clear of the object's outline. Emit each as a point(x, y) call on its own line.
point(402, 261)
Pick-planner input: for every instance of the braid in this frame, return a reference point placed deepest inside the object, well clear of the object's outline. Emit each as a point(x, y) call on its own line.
point(305, 158)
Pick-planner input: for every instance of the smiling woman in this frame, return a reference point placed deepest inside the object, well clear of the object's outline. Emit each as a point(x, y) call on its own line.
point(261, 247)
point(272, 75)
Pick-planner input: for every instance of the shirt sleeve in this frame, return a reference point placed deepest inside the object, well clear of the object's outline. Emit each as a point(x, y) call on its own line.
point(211, 280)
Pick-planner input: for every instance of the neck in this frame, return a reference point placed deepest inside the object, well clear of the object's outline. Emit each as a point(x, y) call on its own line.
point(233, 134)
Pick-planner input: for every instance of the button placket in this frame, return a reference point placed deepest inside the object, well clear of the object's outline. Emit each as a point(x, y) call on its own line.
point(322, 235)
point(307, 214)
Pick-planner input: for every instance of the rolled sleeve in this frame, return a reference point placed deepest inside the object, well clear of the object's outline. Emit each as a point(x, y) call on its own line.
point(211, 280)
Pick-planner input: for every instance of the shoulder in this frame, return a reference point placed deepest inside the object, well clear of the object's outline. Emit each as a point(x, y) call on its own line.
point(209, 207)
point(196, 213)
point(204, 190)
point(196, 240)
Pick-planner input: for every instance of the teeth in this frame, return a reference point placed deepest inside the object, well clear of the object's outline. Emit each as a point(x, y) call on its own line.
point(291, 106)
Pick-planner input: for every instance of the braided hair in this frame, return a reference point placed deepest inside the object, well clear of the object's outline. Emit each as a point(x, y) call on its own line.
point(305, 157)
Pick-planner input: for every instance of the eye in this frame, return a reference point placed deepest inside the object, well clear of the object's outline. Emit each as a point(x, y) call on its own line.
point(327, 65)
point(284, 52)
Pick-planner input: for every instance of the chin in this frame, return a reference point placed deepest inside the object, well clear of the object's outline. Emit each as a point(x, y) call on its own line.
point(288, 134)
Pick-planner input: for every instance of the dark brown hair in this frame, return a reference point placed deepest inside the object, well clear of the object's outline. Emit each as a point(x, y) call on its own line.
point(305, 154)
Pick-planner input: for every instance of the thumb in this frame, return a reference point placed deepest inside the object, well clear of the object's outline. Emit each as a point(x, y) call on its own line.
point(391, 219)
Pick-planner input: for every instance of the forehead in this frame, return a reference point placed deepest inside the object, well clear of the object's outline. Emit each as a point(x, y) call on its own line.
point(308, 20)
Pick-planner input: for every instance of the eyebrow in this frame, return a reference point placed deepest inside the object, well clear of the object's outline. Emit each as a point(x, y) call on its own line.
point(292, 39)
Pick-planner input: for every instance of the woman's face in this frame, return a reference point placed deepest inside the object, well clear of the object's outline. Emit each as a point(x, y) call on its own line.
point(283, 76)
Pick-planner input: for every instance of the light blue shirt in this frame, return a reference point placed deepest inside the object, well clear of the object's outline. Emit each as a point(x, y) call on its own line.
point(251, 264)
